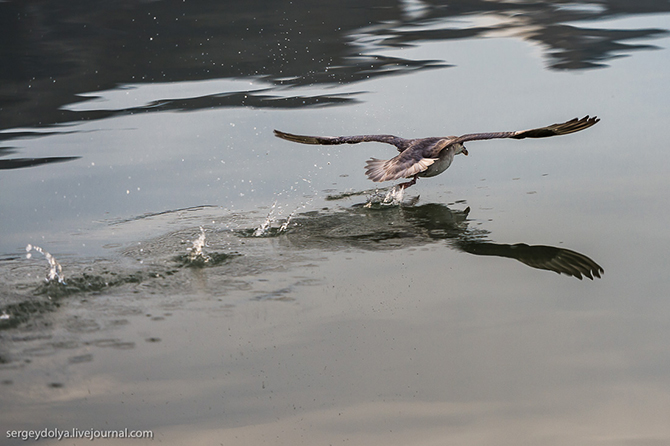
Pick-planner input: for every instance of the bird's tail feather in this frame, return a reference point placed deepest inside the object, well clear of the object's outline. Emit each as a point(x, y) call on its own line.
point(375, 170)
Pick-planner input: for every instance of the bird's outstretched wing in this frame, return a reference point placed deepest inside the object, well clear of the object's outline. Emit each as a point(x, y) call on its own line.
point(400, 143)
point(572, 126)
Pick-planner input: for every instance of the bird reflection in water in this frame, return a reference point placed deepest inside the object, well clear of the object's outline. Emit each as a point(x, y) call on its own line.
point(399, 227)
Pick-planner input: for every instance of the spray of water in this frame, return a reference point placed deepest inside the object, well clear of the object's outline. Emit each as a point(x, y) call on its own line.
point(55, 269)
point(284, 225)
point(197, 253)
point(275, 213)
point(393, 197)
point(265, 226)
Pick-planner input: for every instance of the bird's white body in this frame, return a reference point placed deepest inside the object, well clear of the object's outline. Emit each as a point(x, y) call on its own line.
point(443, 162)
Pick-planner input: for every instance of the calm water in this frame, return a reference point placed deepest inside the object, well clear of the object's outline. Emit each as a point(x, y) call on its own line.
point(126, 127)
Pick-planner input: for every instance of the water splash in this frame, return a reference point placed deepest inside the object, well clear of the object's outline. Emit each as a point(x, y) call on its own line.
point(393, 197)
point(55, 269)
point(284, 225)
point(198, 258)
point(265, 226)
point(196, 252)
point(265, 229)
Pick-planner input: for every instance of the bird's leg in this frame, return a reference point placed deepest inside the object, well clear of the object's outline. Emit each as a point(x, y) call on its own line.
point(408, 184)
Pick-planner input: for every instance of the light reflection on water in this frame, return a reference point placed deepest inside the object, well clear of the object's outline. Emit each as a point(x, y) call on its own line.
point(438, 320)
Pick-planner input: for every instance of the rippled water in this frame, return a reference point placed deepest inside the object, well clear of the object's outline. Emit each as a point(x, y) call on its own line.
point(220, 285)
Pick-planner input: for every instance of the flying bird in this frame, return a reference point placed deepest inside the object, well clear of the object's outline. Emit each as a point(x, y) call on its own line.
point(427, 157)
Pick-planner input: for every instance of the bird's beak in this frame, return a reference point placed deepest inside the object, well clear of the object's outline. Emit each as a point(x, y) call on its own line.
point(464, 151)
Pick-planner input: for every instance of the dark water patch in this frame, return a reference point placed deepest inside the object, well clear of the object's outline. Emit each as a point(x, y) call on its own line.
point(27, 134)
point(579, 48)
point(48, 296)
point(349, 194)
point(78, 324)
point(92, 283)
point(220, 100)
point(280, 295)
point(255, 233)
point(18, 163)
point(112, 343)
point(204, 260)
point(80, 359)
point(20, 312)
point(240, 99)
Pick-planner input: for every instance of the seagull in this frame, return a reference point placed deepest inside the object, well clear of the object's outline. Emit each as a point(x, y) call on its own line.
point(427, 157)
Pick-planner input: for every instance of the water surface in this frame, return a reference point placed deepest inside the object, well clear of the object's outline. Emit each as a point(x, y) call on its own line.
point(127, 127)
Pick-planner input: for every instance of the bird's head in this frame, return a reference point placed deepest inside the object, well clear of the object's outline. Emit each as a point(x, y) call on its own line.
point(460, 148)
